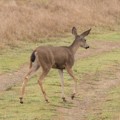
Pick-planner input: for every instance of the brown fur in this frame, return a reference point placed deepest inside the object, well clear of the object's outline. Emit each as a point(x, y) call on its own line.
point(56, 57)
point(60, 57)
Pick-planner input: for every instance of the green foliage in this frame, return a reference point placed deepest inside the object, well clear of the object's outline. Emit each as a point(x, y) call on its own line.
point(97, 62)
point(111, 36)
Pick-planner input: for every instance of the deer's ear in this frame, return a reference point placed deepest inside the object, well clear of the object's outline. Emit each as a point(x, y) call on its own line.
point(74, 31)
point(84, 34)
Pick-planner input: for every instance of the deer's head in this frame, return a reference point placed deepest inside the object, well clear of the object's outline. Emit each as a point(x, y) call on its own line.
point(81, 37)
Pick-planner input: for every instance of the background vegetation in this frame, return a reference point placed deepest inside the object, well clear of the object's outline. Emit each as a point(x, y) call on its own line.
point(22, 20)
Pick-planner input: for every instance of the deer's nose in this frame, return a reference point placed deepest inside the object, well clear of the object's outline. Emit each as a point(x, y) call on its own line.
point(87, 47)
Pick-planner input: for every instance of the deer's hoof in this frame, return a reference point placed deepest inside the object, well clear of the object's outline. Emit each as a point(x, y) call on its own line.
point(73, 96)
point(64, 100)
point(21, 100)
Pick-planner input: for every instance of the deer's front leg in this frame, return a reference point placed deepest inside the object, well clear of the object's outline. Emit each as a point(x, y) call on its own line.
point(62, 84)
point(70, 72)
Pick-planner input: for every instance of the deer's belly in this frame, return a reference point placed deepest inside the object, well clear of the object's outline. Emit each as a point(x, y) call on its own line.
point(58, 66)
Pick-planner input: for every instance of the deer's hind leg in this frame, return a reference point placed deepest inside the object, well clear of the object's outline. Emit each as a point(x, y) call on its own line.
point(35, 66)
point(40, 82)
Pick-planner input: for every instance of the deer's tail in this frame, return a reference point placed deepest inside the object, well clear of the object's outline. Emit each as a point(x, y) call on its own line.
point(32, 58)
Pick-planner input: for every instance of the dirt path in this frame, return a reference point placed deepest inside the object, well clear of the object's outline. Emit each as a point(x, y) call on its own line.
point(9, 79)
point(92, 95)
point(92, 90)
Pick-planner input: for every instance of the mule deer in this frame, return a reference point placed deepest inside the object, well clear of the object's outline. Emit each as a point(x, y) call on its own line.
point(55, 57)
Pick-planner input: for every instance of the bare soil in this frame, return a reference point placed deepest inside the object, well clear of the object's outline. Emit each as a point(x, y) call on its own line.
point(10, 79)
point(92, 89)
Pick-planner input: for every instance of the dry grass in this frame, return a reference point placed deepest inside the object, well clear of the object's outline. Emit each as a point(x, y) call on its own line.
point(31, 20)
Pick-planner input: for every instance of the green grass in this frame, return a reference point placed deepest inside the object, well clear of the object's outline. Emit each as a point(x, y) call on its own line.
point(97, 62)
point(35, 108)
point(12, 58)
point(110, 36)
point(110, 108)
point(12, 61)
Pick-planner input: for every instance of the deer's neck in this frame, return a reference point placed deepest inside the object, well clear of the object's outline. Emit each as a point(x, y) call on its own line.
point(74, 46)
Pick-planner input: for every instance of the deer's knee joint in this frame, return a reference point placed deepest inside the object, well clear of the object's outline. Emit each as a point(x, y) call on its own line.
point(47, 101)
point(75, 79)
point(26, 77)
point(44, 92)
